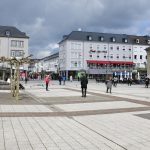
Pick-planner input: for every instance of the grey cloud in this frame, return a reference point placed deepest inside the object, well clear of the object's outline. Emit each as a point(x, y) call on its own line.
point(46, 21)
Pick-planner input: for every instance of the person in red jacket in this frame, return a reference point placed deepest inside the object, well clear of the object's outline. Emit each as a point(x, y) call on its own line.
point(46, 79)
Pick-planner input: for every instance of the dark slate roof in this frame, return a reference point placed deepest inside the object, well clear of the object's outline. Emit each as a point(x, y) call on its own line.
point(83, 36)
point(55, 55)
point(10, 31)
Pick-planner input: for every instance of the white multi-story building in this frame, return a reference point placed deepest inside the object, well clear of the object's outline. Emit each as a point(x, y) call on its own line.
point(102, 53)
point(50, 63)
point(13, 43)
point(46, 64)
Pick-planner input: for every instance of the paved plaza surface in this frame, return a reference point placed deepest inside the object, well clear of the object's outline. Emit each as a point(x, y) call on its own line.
point(60, 119)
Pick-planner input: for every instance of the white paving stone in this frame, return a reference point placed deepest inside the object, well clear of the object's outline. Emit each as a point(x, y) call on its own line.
point(98, 106)
point(106, 132)
point(59, 132)
point(55, 93)
point(121, 128)
point(24, 108)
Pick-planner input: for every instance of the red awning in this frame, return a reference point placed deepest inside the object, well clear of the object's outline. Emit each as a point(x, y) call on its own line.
point(109, 62)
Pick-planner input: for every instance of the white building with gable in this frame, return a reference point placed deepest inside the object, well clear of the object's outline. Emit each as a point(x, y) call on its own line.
point(13, 43)
point(102, 53)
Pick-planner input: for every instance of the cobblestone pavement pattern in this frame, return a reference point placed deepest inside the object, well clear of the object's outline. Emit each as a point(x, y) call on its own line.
point(60, 119)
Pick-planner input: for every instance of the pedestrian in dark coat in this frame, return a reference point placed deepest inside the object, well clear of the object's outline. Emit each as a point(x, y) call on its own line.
point(60, 79)
point(84, 82)
point(146, 82)
point(26, 80)
point(129, 81)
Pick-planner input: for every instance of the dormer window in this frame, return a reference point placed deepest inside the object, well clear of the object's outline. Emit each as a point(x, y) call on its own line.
point(125, 40)
point(148, 41)
point(7, 33)
point(137, 41)
point(89, 38)
point(113, 39)
point(101, 38)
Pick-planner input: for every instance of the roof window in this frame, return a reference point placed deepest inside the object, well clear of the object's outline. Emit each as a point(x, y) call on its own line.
point(113, 39)
point(148, 41)
point(101, 38)
point(89, 38)
point(125, 40)
point(7, 33)
point(137, 41)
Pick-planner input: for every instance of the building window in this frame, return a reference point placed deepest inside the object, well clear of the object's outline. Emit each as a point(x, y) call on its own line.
point(89, 38)
point(146, 57)
point(72, 45)
point(101, 38)
point(91, 46)
point(124, 57)
point(129, 57)
point(148, 41)
point(7, 33)
point(16, 43)
point(113, 39)
point(117, 47)
point(111, 56)
point(97, 56)
point(140, 56)
point(79, 64)
point(73, 63)
point(79, 55)
point(17, 53)
point(125, 40)
point(117, 57)
point(123, 48)
point(104, 56)
point(137, 41)
point(111, 47)
point(135, 56)
point(90, 56)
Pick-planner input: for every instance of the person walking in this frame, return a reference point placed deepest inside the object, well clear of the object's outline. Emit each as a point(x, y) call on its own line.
point(146, 82)
point(115, 81)
point(46, 79)
point(84, 82)
point(64, 79)
point(109, 85)
point(71, 78)
point(129, 81)
point(60, 78)
point(26, 80)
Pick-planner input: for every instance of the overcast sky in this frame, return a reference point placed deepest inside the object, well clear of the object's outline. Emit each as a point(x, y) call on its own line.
point(46, 21)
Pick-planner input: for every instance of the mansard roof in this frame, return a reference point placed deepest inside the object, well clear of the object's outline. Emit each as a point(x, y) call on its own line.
point(106, 37)
point(10, 31)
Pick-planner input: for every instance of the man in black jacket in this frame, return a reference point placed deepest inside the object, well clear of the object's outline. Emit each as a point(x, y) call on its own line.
point(84, 82)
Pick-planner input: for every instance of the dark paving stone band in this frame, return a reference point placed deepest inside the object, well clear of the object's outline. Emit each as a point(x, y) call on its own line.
point(72, 113)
